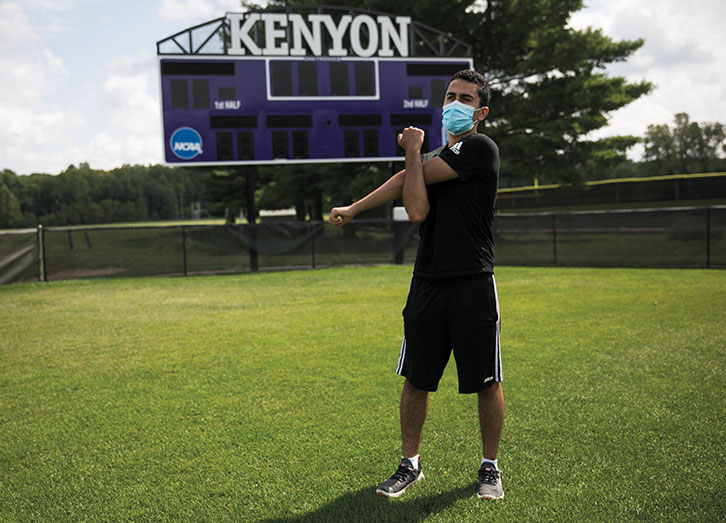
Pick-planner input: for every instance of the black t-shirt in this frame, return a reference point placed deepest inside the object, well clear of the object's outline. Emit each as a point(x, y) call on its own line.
point(456, 237)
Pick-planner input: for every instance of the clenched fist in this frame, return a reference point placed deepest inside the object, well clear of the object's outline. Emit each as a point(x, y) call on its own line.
point(411, 138)
point(339, 216)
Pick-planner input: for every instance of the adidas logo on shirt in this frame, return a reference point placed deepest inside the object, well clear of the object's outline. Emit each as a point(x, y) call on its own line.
point(456, 149)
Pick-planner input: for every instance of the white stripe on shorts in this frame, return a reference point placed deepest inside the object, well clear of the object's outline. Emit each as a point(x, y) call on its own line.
point(498, 348)
point(399, 368)
point(402, 356)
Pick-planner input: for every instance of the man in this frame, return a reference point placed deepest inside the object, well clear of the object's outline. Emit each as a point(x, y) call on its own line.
point(452, 302)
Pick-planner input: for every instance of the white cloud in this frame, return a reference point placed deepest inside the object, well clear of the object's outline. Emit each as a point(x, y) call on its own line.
point(684, 55)
point(35, 131)
point(29, 68)
point(186, 10)
point(130, 115)
point(37, 139)
point(52, 5)
point(46, 127)
point(197, 11)
point(673, 36)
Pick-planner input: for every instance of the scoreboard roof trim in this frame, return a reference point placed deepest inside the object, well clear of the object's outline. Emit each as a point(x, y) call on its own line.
point(213, 38)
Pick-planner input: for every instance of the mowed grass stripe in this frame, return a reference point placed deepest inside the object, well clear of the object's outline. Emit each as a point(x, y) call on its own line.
point(272, 397)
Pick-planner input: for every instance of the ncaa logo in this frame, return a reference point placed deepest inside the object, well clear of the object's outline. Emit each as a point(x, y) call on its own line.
point(186, 143)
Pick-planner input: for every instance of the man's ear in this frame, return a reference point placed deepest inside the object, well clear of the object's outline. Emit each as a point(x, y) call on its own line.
point(483, 114)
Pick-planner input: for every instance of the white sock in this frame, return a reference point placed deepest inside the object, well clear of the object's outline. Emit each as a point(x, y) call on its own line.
point(414, 460)
point(491, 462)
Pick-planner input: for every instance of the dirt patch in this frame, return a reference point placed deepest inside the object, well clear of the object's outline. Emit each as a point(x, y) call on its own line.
point(85, 273)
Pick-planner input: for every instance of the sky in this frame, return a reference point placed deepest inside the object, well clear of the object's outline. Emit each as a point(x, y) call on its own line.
point(80, 78)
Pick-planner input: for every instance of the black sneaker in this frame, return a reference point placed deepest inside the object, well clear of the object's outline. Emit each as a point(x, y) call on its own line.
point(490, 482)
point(404, 477)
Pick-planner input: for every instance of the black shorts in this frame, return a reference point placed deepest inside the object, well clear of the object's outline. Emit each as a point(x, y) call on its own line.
point(451, 313)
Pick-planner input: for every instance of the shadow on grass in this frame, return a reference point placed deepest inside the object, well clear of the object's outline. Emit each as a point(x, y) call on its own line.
point(365, 506)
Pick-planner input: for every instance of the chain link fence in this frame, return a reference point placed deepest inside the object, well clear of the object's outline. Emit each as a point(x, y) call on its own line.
point(692, 237)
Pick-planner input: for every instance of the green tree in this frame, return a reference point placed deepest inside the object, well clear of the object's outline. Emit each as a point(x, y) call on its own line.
point(10, 214)
point(687, 147)
point(82, 195)
point(549, 89)
point(313, 188)
point(343, 183)
point(297, 186)
point(11, 189)
point(227, 191)
point(10, 179)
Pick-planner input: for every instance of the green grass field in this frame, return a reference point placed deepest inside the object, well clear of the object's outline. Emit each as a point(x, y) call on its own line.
point(272, 397)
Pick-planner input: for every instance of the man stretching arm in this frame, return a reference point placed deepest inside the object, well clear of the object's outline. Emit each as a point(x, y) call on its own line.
point(452, 303)
point(433, 171)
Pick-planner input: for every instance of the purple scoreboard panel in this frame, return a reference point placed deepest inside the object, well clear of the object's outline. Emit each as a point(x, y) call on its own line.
point(247, 108)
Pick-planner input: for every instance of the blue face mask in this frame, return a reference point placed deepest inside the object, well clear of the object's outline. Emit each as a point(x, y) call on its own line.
point(457, 117)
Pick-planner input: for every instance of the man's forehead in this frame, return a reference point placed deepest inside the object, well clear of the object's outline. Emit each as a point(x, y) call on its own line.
point(460, 86)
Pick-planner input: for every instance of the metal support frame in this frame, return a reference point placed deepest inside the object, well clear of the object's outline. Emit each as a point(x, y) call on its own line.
point(251, 217)
point(554, 239)
point(184, 247)
point(42, 272)
point(708, 237)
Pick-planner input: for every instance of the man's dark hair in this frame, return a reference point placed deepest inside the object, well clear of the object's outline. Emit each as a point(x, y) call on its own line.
point(469, 75)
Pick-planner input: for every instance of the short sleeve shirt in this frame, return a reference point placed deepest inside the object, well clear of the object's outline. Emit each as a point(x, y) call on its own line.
point(456, 236)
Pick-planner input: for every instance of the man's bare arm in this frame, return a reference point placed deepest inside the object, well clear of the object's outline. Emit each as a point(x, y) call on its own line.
point(434, 170)
point(390, 190)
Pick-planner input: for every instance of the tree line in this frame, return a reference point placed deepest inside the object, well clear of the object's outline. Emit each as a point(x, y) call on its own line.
point(82, 195)
point(133, 193)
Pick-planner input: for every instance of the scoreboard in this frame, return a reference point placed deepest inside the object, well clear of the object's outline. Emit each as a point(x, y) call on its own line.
point(259, 109)
point(264, 111)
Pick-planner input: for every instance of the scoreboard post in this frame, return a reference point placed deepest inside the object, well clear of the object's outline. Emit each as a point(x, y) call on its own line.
point(303, 85)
